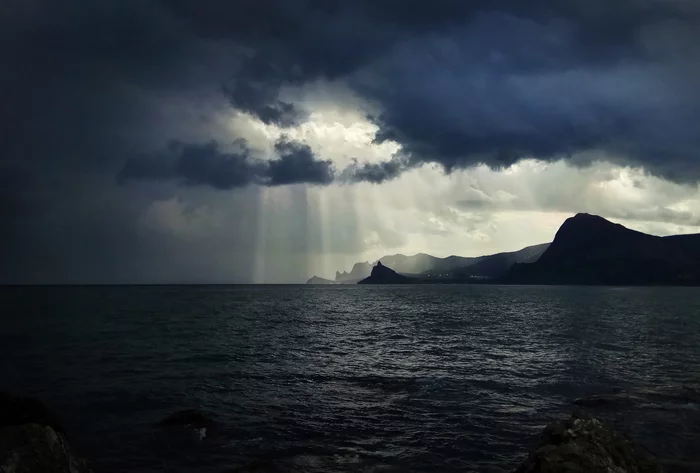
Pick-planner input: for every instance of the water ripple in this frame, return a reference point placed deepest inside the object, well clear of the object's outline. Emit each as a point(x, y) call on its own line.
point(357, 378)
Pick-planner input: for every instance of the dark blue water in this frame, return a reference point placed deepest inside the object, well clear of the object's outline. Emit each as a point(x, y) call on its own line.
point(349, 378)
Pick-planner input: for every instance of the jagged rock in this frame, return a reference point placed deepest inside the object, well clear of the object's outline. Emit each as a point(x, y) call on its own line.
point(584, 444)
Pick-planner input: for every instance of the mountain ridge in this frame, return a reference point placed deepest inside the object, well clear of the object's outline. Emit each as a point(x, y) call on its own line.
point(590, 250)
point(428, 266)
point(587, 250)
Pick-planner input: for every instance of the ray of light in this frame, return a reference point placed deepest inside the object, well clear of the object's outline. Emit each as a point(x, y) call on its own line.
point(261, 246)
point(318, 197)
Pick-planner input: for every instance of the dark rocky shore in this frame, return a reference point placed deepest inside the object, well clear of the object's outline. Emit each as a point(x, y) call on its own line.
point(32, 441)
point(584, 444)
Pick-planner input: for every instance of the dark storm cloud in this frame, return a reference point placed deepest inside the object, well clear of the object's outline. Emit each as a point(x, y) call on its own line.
point(207, 165)
point(86, 87)
point(255, 91)
point(375, 173)
point(462, 83)
point(297, 163)
point(456, 83)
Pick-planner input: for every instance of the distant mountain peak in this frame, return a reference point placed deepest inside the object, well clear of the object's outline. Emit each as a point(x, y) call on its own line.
point(588, 225)
point(586, 218)
point(589, 249)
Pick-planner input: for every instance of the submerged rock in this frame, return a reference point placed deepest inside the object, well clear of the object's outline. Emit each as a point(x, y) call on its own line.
point(584, 444)
point(32, 441)
point(187, 418)
point(189, 424)
point(612, 399)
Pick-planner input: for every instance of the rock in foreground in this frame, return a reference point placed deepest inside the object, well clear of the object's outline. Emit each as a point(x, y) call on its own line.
point(34, 448)
point(31, 441)
point(584, 444)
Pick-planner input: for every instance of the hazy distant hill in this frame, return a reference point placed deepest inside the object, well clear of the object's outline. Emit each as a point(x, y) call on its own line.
point(588, 249)
point(317, 280)
point(421, 263)
point(403, 264)
point(359, 271)
point(491, 266)
point(452, 267)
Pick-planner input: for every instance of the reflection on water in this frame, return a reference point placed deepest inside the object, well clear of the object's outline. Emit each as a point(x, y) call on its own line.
point(356, 378)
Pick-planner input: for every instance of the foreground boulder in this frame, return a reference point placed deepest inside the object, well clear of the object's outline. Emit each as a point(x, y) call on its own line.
point(32, 441)
point(34, 448)
point(584, 444)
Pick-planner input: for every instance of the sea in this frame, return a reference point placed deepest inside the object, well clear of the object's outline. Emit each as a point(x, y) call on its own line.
point(428, 378)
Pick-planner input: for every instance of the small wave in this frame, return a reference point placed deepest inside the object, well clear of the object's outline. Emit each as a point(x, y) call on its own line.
point(430, 383)
point(202, 433)
point(669, 406)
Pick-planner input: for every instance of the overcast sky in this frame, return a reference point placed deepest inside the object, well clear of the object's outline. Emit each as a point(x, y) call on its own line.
point(269, 140)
